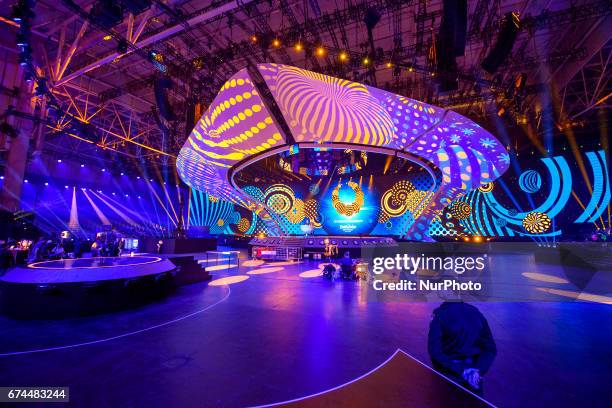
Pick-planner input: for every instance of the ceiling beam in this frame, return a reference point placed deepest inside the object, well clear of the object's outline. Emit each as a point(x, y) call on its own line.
point(201, 18)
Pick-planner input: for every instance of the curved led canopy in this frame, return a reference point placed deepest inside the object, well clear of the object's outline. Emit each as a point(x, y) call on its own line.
point(309, 107)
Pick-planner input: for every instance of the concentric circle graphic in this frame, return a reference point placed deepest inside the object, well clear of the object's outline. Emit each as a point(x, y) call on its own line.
point(530, 181)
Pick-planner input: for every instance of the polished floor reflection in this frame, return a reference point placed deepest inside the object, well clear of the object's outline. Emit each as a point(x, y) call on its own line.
point(282, 332)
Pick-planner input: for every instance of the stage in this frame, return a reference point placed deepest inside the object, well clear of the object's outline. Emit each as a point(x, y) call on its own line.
point(72, 287)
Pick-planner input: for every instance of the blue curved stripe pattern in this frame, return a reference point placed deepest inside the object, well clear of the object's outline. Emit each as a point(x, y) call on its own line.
point(600, 198)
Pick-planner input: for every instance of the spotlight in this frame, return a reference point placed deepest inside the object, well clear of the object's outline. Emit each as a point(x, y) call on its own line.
point(82, 165)
point(22, 40)
point(122, 173)
point(343, 56)
point(366, 61)
point(276, 43)
point(103, 169)
point(253, 39)
point(25, 57)
point(65, 186)
point(59, 160)
point(46, 184)
point(156, 58)
point(389, 64)
point(138, 177)
point(299, 46)
point(107, 37)
point(1, 177)
point(26, 181)
point(320, 51)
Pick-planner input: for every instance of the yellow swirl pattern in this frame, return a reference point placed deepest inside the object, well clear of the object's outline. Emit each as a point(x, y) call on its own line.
point(244, 225)
point(320, 107)
point(460, 210)
point(486, 188)
point(536, 222)
point(352, 208)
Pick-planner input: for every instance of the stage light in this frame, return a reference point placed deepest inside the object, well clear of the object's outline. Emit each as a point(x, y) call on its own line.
point(299, 46)
point(151, 180)
point(410, 69)
point(22, 40)
point(107, 37)
point(253, 39)
point(65, 186)
point(389, 64)
point(343, 56)
point(82, 165)
point(320, 51)
point(46, 184)
point(138, 177)
point(122, 173)
point(366, 61)
point(114, 193)
point(127, 195)
point(276, 43)
point(59, 160)
point(103, 169)
point(26, 181)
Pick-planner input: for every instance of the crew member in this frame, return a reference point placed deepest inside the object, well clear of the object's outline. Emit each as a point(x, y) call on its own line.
point(460, 343)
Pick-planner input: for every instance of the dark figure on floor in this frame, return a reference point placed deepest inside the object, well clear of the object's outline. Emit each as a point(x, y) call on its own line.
point(460, 344)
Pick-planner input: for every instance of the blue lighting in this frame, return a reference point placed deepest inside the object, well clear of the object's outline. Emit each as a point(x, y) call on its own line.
point(59, 160)
point(82, 165)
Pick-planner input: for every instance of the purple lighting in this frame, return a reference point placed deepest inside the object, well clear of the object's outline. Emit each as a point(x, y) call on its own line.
point(465, 155)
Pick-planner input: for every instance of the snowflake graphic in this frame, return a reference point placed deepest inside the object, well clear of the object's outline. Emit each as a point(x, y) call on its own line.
point(455, 138)
point(487, 142)
point(505, 157)
point(468, 131)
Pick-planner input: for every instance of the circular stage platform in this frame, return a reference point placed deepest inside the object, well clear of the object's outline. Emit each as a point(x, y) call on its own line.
point(73, 287)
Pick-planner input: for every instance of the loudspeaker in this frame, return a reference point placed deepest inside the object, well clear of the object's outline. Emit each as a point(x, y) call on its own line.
point(505, 41)
point(107, 13)
point(451, 41)
point(160, 88)
point(453, 28)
